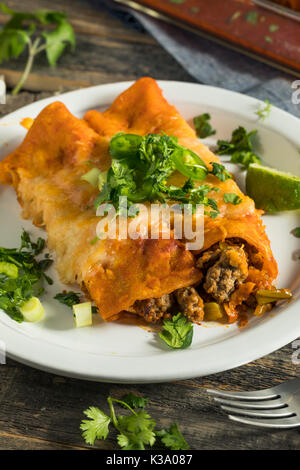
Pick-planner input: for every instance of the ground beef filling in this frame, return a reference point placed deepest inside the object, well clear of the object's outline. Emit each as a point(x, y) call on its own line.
point(229, 269)
point(190, 303)
point(187, 300)
point(152, 310)
point(224, 269)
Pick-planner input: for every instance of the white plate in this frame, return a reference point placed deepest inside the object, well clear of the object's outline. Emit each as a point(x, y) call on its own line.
point(117, 353)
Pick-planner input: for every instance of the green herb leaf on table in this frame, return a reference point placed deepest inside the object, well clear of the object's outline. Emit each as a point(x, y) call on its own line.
point(136, 430)
point(203, 126)
point(139, 429)
point(134, 401)
point(173, 439)
point(34, 31)
point(96, 427)
point(57, 40)
point(177, 333)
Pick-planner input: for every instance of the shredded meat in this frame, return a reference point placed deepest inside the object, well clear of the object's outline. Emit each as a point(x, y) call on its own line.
point(152, 309)
point(190, 303)
point(226, 273)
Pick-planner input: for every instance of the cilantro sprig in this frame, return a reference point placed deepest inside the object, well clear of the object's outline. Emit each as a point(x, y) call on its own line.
point(22, 274)
point(177, 333)
point(136, 430)
point(43, 30)
point(240, 147)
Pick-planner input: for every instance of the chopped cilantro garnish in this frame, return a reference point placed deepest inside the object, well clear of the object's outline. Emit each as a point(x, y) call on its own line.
point(232, 198)
point(177, 333)
point(22, 275)
point(203, 126)
point(240, 147)
point(220, 171)
point(141, 167)
point(68, 298)
point(135, 430)
point(173, 439)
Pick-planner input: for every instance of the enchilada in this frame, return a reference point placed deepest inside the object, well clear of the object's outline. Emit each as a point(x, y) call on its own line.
point(150, 278)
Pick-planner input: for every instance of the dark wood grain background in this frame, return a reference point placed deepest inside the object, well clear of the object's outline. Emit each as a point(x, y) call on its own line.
point(43, 411)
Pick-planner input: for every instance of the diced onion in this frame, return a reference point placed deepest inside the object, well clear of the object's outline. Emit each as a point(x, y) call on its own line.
point(83, 314)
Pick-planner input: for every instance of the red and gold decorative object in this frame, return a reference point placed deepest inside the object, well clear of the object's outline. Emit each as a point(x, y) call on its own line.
point(258, 28)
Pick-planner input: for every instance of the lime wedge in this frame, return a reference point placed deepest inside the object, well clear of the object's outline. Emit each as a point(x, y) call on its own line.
point(272, 190)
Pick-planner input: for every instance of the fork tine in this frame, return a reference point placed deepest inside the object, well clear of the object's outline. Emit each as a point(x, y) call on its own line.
point(286, 423)
point(256, 395)
point(277, 413)
point(262, 405)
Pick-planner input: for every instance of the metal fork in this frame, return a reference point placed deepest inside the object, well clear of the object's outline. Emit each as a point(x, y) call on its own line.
point(276, 407)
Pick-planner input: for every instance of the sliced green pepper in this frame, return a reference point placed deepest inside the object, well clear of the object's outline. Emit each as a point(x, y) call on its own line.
point(9, 269)
point(268, 296)
point(125, 146)
point(189, 164)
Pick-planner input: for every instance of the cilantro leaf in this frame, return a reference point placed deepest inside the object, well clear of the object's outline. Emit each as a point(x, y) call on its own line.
point(12, 43)
point(96, 427)
point(139, 429)
point(232, 198)
point(57, 40)
point(68, 298)
point(22, 31)
point(177, 333)
point(135, 430)
point(173, 439)
point(220, 171)
point(245, 158)
point(203, 126)
point(240, 141)
point(134, 401)
point(240, 147)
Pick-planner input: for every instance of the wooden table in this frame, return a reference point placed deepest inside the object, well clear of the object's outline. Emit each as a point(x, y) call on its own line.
point(43, 411)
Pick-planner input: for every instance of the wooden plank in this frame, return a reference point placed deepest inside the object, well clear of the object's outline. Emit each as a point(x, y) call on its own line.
point(47, 407)
point(18, 442)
